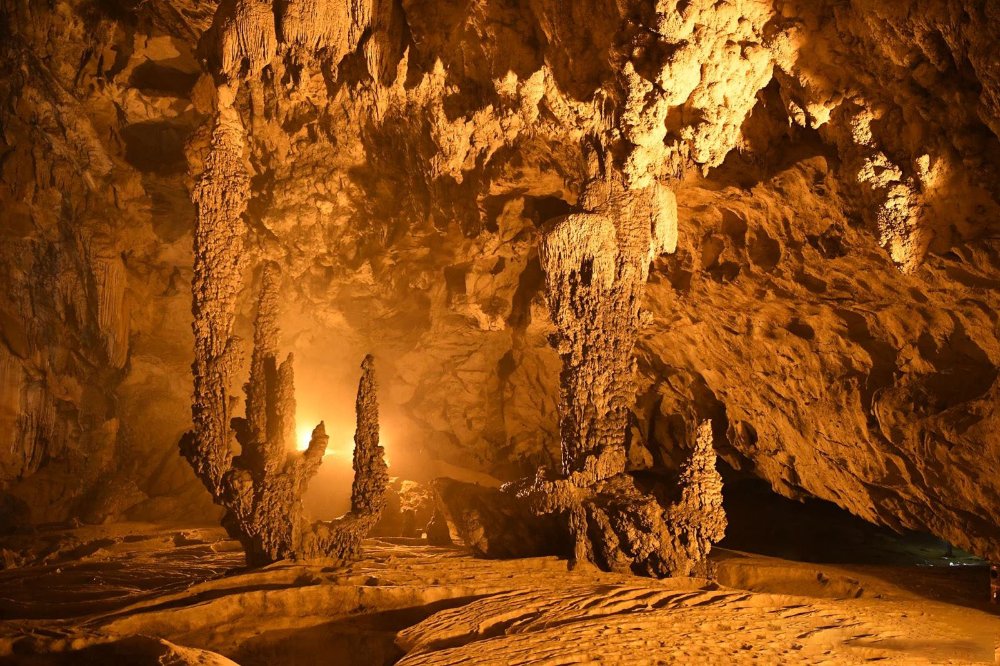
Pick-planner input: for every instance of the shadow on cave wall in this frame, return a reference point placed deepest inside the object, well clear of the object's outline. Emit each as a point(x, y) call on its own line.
point(763, 522)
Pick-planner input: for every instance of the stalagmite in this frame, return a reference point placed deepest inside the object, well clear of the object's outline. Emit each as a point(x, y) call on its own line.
point(596, 263)
point(220, 198)
point(341, 539)
point(261, 489)
point(604, 242)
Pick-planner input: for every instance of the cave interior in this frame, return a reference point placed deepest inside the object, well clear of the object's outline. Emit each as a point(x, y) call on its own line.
point(499, 331)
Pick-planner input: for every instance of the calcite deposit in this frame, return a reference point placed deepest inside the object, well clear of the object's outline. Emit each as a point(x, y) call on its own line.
point(262, 487)
point(596, 263)
point(797, 201)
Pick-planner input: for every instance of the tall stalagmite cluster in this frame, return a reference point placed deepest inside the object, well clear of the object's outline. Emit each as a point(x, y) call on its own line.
point(596, 263)
point(261, 488)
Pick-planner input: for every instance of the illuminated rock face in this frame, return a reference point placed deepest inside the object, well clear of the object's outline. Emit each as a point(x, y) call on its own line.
point(830, 305)
point(262, 487)
point(596, 264)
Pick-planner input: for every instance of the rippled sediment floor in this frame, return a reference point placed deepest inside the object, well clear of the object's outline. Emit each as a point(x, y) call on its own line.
point(134, 593)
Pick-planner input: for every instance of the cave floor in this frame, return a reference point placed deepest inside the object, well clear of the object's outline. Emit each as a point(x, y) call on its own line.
point(152, 594)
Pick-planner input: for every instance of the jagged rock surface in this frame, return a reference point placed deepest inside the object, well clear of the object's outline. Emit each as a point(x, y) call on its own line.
point(496, 524)
point(633, 523)
point(400, 174)
point(596, 263)
point(262, 488)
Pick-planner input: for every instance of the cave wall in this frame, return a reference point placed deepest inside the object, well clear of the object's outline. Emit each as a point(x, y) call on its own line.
point(831, 304)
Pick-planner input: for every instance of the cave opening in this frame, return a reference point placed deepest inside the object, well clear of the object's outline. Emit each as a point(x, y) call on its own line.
point(813, 530)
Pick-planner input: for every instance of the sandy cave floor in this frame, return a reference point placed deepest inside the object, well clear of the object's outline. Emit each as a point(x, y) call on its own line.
point(149, 594)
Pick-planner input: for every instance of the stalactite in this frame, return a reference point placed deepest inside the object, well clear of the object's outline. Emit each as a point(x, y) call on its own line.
point(112, 307)
point(247, 38)
point(319, 24)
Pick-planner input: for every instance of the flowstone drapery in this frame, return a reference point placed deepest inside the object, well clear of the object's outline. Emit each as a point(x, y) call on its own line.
point(596, 263)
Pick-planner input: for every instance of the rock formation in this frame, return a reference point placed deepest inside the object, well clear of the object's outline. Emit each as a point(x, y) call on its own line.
point(262, 487)
point(220, 199)
point(830, 305)
point(596, 263)
point(437, 530)
point(628, 523)
point(497, 524)
point(342, 538)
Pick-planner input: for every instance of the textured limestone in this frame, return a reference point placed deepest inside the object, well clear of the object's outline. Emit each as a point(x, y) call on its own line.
point(220, 199)
point(837, 375)
point(245, 37)
point(632, 524)
point(596, 264)
point(262, 487)
point(497, 524)
point(402, 183)
point(371, 474)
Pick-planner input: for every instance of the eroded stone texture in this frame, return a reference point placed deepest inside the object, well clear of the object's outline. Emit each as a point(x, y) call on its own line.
point(632, 523)
point(370, 472)
point(262, 487)
point(220, 199)
point(596, 264)
point(497, 524)
point(404, 157)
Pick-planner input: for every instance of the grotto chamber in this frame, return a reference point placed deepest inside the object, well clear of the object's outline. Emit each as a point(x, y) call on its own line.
point(499, 332)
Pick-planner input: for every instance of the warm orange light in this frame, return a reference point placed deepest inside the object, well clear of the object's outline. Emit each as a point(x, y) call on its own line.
point(303, 436)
